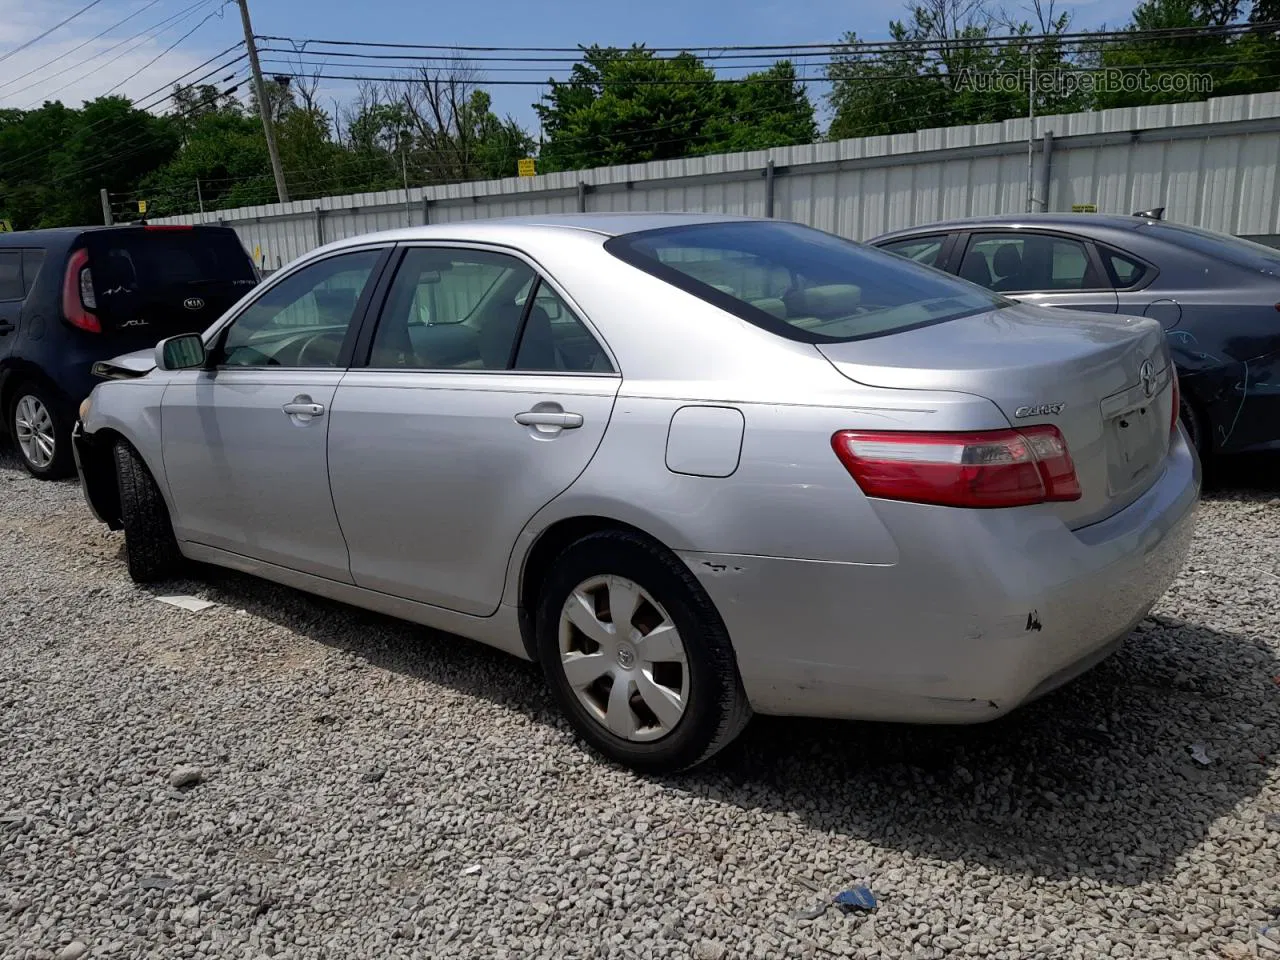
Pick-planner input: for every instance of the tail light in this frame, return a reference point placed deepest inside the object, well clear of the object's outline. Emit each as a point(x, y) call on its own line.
point(77, 294)
point(1177, 402)
point(997, 468)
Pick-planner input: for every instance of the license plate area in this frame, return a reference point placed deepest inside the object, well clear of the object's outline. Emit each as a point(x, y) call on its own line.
point(1135, 440)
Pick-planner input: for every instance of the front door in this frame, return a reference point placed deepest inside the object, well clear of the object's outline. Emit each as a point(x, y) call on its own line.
point(245, 440)
point(484, 398)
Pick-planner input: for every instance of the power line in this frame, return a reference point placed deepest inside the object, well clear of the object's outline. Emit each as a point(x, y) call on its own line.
point(299, 45)
point(151, 33)
point(62, 23)
point(169, 48)
point(81, 46)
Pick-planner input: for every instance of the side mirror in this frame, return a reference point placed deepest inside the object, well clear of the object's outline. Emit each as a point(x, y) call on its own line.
point(184, 352)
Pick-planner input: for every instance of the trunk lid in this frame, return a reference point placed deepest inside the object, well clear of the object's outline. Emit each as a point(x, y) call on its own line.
point(153, 282)
point(1104, 381)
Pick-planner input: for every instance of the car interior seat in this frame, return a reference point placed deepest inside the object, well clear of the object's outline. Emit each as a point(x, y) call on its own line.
point(974, 268)
point(1008, 266)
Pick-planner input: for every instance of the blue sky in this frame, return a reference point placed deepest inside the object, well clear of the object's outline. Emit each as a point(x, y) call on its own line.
point(667, 23)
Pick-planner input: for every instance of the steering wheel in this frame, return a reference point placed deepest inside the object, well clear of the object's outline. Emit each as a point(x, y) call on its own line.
point(310, 346)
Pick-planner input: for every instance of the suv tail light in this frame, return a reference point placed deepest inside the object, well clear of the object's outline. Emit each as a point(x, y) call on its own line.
point(996, 468)
point(77, 294)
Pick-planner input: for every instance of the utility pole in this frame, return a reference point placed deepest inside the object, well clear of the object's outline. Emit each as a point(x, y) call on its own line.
point(404, 169)
point(1031, 126)
point(199, 195)
point(106, 206)
point(260, 89)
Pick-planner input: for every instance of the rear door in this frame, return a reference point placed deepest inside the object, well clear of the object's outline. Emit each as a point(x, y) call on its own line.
point(484, 397)
point(155, 281)
point(245, 441)
point(1046, 269)
point(12, 293)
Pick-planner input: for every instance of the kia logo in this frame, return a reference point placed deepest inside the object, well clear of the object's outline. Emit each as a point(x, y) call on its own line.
point(193, 303)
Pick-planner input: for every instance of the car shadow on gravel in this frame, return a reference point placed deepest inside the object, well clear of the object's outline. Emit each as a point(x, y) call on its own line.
point(1097, 779)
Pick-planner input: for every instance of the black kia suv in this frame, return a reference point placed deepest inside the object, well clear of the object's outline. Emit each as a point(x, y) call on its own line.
point(73, 296)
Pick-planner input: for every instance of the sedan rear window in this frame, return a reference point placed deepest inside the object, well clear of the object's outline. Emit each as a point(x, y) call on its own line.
point(1220, 246)
point(801, 283)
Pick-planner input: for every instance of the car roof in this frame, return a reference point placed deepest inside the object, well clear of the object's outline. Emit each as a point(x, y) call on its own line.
point(1070, 221)
point(497, 228)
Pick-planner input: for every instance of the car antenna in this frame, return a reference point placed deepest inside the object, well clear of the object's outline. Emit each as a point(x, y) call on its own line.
point(1155, 213)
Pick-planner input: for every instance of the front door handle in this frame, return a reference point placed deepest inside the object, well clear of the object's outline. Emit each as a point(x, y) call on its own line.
point(549, 418)
point(303, 408)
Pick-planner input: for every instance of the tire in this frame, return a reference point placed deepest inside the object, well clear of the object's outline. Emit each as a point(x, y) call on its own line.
point(1197, 431)
point(150, 546)
point(36, 417)
point(713, 705)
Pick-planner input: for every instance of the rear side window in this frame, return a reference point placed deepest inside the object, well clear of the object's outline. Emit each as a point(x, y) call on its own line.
point(1124, 271)
point(32, 263)
point(11, 275)
point(798, 282)
point(1014, 262)
point(920, 249)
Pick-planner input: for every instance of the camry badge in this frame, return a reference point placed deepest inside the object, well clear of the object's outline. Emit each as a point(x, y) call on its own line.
point(1039, 410)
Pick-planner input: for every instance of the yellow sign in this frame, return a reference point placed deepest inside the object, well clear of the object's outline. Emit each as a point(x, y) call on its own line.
point(526, 167)
point(142, 206)
point(257, 254)
point(6, 226)
point(1084, 208)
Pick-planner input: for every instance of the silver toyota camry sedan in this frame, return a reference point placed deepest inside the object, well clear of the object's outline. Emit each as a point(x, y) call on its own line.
point(695, 466)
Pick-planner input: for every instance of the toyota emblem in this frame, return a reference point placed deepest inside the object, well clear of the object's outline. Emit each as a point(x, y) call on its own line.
point(195, 303)
point(1147, 374)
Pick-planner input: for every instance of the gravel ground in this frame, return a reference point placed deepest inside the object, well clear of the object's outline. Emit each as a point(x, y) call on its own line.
point(282, 776)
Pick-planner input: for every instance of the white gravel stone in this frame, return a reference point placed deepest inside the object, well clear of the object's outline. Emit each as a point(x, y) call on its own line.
point(354, 767)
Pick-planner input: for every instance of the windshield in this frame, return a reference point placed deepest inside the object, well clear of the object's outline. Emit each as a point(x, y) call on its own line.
point(1220, 246)
point(801, 283)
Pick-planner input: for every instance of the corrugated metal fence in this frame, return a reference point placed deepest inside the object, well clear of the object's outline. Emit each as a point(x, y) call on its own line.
point(1212, 164)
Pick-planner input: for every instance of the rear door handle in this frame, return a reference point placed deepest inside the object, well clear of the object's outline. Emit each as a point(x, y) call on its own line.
point(549, 418)
point(299, 408)
point(6, 328)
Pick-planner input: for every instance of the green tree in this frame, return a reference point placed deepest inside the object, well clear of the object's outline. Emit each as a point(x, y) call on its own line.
point(631, 106)
point(946, 72)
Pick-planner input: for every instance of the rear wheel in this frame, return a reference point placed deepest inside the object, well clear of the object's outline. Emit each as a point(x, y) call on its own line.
point(150, 546)
point(1194, 423)
point(41, 431)
point(637, 655)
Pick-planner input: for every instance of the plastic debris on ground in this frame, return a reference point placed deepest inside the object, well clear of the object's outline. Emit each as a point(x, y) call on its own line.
point(856, 898)
point(190, 604)
point(1200, 754)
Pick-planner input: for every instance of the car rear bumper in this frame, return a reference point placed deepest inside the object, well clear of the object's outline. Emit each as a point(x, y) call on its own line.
point(984, 610)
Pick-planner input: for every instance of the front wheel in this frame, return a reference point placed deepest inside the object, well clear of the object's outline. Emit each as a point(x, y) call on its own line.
point(41, 432)
point(150, 546)
point(637, 655)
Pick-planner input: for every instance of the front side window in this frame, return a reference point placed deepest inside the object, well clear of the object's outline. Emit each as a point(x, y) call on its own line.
point(463, 309)
point(798, 282)
point(303, 320)
point(1016, 262)
point(920, 249)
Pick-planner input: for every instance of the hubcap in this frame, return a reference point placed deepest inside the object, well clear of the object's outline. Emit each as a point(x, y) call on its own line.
point(33, 426)
point(624, 658)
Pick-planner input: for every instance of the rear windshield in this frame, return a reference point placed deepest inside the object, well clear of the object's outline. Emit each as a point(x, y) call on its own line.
point(138, 258)
point(1220, 246)
point(801, 283)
